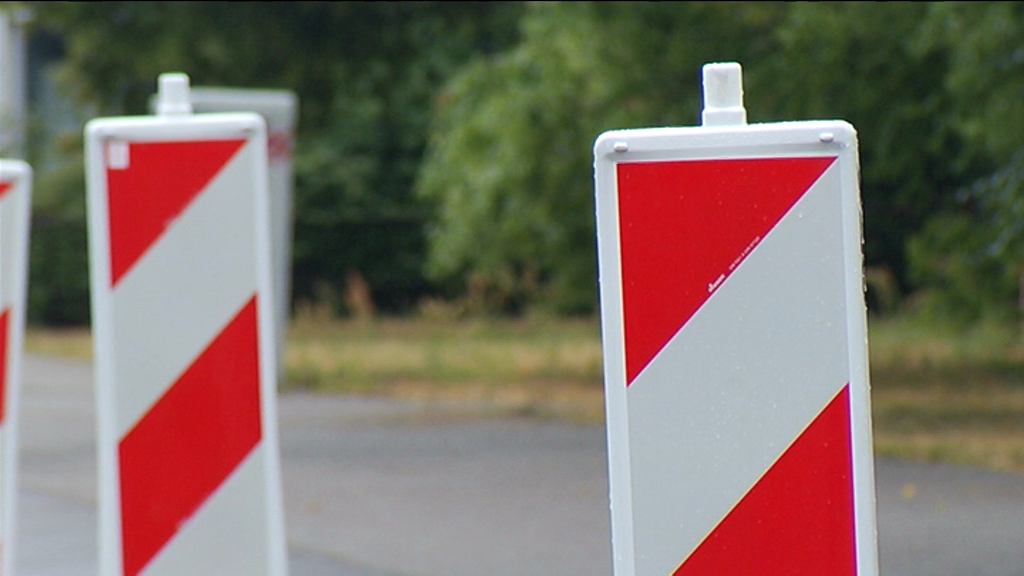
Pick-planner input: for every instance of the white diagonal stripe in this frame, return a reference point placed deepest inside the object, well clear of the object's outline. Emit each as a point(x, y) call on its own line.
point(12, 229)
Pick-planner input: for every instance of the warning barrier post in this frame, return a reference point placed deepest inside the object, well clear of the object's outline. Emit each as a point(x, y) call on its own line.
point(735, 345)
point(15, 222)
point(183, 327)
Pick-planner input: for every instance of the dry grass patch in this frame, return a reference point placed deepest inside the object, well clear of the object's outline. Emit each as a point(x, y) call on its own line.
point(945, 396)
point(65, 342)
point(533, 366)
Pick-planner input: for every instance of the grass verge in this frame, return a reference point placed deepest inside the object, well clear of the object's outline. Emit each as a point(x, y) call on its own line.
point(523, 366)
point(65, 342)
point(945, 396)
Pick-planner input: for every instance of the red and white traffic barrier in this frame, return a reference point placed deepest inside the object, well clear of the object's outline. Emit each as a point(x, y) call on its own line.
point(184, 334)
point(15, 221)
point(735, 345)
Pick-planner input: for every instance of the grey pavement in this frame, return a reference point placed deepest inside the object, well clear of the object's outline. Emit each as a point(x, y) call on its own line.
point(389, 488)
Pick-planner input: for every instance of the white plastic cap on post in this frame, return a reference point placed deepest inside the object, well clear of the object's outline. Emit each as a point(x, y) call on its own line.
point(173, 97)
point(723, 95)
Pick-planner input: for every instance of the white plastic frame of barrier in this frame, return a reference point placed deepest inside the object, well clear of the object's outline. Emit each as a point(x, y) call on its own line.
point(15, 223)
point(679, 427)
point(108, 142)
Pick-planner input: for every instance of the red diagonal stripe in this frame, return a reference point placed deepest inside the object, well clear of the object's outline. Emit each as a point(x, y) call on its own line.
point(798, 519)
point(4, 327)
point(685, 226)
point(190, 441)
point(4, 187)
point(156, 186)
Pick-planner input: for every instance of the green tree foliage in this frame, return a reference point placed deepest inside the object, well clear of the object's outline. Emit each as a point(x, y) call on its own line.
point(961, 278)
point(867, 63)
point(985, 80)
point(509, 166)
point(58, 264)
point(365, 74)
point(986, 70)
point(489, 110)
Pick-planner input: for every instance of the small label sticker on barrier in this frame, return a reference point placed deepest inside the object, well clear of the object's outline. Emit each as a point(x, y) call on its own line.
point(117, 155)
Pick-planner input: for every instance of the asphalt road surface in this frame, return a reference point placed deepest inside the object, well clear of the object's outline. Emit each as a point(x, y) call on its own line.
point(386, 488)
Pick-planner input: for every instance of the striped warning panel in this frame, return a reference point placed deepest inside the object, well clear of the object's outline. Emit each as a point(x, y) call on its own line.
point(5, 299)
point(15, 221)
point(181, 300)
point(6, 352)
point(731, 403)
point(7, 202)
